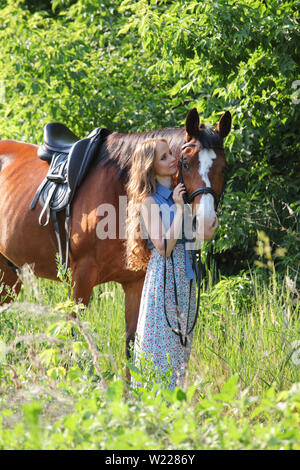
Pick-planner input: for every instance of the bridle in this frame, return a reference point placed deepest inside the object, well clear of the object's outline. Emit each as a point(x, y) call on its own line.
point(188, 198)
point(203, 189)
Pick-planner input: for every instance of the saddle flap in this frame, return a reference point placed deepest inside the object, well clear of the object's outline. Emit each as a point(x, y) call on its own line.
point(78, 163)
point(56, 184)
point(81, 156)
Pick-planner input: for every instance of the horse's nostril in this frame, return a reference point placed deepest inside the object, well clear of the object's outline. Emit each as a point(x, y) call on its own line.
point(212, 226)
point(214, 222)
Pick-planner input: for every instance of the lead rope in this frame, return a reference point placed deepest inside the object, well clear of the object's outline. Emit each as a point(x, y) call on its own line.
point(178, 331)
point(198, 286)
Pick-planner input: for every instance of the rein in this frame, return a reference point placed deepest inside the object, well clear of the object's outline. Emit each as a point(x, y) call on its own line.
point(187, 199)
point(178, 330)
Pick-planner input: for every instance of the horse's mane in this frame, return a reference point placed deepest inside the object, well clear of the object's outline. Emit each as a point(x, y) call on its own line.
point(118, 148)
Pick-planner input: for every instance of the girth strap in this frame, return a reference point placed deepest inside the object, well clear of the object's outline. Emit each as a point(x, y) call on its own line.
point(67, 214)
point(57, 234)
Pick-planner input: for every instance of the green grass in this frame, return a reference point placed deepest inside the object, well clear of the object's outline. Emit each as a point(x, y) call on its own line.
point(247, 327)
point(62, 381)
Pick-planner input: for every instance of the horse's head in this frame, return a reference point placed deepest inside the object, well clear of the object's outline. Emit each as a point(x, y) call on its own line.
point(202, 167)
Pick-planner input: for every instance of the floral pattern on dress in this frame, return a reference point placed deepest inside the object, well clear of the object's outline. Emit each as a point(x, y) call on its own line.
point(154, 337)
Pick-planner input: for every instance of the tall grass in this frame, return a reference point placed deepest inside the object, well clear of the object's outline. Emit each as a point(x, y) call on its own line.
point(61, 377)
point(247, 326)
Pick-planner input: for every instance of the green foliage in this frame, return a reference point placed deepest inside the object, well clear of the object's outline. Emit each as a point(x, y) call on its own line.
point(240, 56)
point(163, 419)
point(62, 378)
point(137, 65)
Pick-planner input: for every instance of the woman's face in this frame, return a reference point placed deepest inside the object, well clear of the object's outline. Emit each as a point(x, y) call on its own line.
point(165, 164)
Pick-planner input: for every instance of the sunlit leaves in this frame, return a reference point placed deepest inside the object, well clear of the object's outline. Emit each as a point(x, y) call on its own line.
point(140, 65)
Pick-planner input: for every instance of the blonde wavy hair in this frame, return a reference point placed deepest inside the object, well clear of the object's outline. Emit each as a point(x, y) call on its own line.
point(141, 183)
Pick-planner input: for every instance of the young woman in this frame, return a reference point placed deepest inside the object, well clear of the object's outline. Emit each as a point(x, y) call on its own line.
point(154, 239)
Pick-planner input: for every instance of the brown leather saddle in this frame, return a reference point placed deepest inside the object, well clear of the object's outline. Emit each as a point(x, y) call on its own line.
point(69, 159)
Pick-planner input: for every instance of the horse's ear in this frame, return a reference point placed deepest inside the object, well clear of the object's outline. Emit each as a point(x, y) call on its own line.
point(224, 125)
point(192, 122)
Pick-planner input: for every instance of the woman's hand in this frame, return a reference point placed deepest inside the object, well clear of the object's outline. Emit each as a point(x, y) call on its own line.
point(178, 192)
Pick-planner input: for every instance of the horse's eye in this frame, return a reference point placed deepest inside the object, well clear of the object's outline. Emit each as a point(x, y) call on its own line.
point(185, 165)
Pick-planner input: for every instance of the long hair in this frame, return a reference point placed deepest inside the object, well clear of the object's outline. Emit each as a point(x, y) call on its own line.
point(141, 183)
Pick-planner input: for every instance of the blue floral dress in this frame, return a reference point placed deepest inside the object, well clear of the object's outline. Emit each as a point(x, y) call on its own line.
point(155, 340)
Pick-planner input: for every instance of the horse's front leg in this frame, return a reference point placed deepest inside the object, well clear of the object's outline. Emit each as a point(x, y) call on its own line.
point(84, 278)
point(133, 291)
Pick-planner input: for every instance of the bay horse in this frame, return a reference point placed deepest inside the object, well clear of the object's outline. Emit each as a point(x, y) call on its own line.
point(93, 260)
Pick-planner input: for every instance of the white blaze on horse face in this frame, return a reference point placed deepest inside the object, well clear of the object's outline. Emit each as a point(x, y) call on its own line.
point(206, 215)
point(206, 158)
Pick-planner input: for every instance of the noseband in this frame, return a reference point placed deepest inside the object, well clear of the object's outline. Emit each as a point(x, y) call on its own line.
point(188, 198)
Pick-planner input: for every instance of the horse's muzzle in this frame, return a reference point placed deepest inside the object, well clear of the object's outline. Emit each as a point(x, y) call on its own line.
point(204, 228)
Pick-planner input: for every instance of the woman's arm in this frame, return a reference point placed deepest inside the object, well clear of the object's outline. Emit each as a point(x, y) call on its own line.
point(155, 227)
